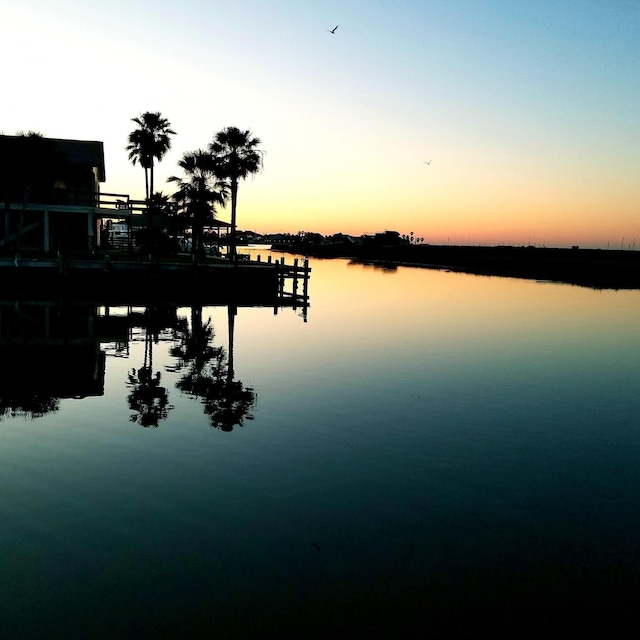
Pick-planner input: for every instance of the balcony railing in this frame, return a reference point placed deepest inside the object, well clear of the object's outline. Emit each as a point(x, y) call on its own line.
point(123, 203)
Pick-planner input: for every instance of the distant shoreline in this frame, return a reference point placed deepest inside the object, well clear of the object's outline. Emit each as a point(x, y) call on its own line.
point(595, 268)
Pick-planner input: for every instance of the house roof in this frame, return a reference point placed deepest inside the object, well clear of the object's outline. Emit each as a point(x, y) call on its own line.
point(86, 152)
point(78, 152)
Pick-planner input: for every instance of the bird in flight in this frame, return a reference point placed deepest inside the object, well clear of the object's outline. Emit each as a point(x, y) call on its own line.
point(427, 162)
point(332, 30)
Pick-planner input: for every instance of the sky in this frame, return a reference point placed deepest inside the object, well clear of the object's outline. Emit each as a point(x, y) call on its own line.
point(527, 112)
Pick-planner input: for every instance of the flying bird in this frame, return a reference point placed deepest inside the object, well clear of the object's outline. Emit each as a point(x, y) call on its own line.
point(332, 30)
point(427, 162)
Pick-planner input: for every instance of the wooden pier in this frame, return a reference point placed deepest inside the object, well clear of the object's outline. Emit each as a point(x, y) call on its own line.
point(292, 279)
point(113, 278)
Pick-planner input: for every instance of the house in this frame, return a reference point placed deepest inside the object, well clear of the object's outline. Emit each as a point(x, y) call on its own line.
point(50, 194)
point(388, 239)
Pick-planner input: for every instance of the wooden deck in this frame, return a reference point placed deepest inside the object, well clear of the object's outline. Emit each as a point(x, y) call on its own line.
point(114, 279)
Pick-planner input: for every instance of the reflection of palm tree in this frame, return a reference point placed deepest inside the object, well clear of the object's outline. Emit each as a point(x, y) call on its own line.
point(198, 194)
point(193, 347)
point(148, 399)
point(209, 376)
point(227, 402)
point(229, 405)
point(235, 400)
point(29, 406)
point(236, 156)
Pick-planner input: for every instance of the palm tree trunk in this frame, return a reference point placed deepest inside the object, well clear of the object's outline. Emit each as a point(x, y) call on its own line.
point(232, 240)
point(195, 234)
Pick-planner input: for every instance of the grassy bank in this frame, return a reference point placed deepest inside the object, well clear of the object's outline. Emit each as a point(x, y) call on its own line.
point(597, 268)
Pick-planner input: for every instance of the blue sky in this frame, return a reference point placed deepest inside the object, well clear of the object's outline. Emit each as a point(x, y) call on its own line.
point(528, 111)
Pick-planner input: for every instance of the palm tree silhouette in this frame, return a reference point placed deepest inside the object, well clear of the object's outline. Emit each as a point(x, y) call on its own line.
point(198, 193)
point(235, 156)
point(151, 140)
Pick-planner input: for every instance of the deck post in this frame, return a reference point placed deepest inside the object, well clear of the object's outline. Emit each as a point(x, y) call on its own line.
point(91, 233)
point(295, 278)
point(45, 224)
point(305, 282)
point(280, 277)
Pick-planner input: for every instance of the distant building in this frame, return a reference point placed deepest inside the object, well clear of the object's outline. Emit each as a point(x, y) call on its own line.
point(387, 239)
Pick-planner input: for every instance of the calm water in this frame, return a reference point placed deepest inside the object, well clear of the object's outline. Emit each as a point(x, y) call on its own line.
point(424, 451)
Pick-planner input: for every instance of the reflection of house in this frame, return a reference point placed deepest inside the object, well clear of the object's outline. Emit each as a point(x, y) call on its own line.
point(50, 350)
point(50, 191)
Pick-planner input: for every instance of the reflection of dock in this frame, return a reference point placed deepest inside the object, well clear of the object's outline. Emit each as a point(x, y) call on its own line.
point(55, 346)
point(53, 349)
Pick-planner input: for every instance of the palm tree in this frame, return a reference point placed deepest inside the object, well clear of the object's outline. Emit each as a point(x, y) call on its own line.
point(164, 208)
point(236, 156)
point(151, 140)
point(198, 193)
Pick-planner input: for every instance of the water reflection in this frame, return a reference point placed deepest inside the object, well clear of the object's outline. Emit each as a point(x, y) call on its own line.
point(47, 353)
point(148, 400)
point(382, 267)
point(51, 351)
point(208, 374)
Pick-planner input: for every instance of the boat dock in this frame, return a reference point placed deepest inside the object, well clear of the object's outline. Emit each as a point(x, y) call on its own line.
point(119, 278)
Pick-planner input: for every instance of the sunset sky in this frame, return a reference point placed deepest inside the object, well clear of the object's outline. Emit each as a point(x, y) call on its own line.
point(529, 112)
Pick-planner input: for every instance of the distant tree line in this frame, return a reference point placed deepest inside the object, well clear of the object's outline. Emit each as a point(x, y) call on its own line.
point(387, 238)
